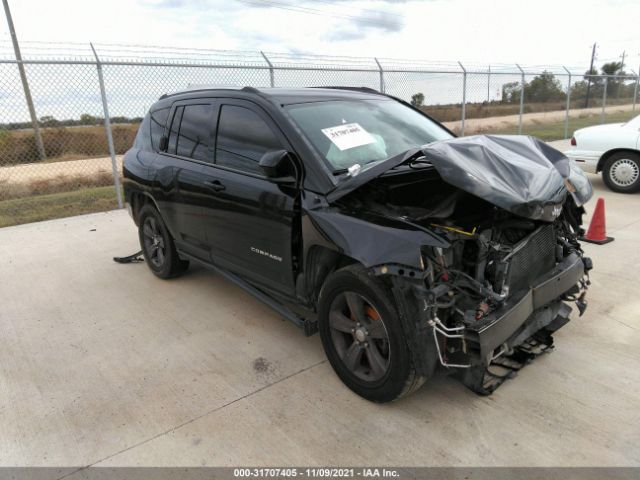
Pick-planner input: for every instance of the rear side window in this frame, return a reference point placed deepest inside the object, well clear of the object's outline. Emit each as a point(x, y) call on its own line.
point(194, 139)
point(158, 120)
point(143, 137)
point(243, 137)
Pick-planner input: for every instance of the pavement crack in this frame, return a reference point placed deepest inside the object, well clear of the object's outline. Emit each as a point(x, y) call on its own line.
point(209, 412)
point(627, 325)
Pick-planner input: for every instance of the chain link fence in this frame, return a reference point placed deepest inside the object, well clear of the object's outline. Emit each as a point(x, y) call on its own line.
point(78, 168)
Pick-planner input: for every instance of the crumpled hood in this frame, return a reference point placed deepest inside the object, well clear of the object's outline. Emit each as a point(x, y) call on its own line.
point(520, 174)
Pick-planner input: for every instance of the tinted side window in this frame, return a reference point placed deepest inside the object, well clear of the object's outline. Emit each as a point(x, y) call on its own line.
point(194, 138)
point(143, 137)
point(158, 121)
point(243, 137)
point(173, 132)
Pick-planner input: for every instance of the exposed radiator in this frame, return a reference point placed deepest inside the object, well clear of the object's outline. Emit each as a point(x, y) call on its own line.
point(532, 257)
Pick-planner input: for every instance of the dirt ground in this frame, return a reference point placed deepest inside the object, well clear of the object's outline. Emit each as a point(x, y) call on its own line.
point(42, 171)
point(479, 125)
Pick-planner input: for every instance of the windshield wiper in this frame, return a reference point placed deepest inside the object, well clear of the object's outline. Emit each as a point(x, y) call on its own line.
point(356, 167)
point(412, 157)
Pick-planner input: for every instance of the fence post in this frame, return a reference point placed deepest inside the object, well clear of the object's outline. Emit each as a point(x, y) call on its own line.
point(464, 97)
point(25, 84)
point(635, 90)
point(568, 107)
point(382, 86)
point(489, 85)
point(271, 77)
point(521, 99)
point(604, 98)
point(107, 126)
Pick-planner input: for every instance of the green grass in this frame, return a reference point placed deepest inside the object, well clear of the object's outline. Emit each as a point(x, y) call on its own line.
point(555, 130)
point(17, 211)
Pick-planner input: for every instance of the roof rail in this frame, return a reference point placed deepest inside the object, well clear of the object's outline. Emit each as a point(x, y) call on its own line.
point(254, 90)
point(353, 89)
point(202, 88)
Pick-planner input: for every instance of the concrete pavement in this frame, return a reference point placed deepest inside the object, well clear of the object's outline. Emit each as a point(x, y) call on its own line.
point(104, 364)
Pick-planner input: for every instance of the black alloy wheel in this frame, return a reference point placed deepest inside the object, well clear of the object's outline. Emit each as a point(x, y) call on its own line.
point(153, 242)
point(359, 336)
point(157, 245)
point(363, 337)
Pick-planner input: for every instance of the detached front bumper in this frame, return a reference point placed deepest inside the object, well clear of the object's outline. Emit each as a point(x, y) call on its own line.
point(524, 314)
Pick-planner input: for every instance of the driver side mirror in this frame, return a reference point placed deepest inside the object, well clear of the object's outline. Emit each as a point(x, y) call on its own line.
point(278, 166)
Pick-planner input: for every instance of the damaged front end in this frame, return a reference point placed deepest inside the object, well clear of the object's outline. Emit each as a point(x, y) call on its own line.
point(494, 298)
point(492, 260)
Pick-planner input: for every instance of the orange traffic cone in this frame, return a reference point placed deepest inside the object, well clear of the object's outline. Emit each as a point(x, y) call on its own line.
point(597, 232)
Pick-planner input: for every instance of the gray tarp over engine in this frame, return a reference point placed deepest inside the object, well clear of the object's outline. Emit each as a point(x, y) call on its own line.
point(518, 173)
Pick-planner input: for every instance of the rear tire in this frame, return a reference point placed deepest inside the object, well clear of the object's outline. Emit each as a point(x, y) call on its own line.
point(363, 338)
point(621, 172)
point(157, 245)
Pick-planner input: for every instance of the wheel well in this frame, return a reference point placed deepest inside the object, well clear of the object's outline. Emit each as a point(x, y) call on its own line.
point(320, 262)
point(137, 201)
point(606, 155)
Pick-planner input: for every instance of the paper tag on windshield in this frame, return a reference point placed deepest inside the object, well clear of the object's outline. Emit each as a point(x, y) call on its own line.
point(348, 136)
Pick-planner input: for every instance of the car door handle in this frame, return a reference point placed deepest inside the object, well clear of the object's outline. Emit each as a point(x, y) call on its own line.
point(215, 185)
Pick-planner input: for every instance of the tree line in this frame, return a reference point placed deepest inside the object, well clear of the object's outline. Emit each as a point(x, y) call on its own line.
point(48, 121)
point(546, 87)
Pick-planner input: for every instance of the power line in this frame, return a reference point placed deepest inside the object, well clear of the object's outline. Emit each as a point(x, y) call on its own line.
point(370, 10)
point(312, 11)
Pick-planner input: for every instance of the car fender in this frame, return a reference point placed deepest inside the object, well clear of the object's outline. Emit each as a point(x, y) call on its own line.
point(373, 239)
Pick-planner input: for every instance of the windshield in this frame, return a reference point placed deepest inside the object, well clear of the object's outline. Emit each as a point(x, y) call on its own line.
point(350, 132)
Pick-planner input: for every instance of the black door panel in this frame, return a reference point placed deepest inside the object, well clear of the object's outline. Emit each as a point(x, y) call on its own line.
point(179, 183)
point(248, 218)
point(248, 226)
point(180, 196)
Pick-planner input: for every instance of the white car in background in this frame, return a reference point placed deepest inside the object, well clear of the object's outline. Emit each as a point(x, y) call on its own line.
point(614, 150)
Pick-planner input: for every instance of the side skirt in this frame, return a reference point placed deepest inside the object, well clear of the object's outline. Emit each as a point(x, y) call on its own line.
point(310, 327)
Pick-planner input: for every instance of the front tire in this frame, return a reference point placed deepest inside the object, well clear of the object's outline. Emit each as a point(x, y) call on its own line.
point(621, 172)
point(157, 245)
point(363, 338)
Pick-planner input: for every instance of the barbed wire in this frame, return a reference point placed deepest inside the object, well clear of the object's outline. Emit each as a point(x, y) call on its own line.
point(176, 55)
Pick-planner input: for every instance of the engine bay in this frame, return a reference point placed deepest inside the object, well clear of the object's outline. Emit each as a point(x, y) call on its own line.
point(495, 257)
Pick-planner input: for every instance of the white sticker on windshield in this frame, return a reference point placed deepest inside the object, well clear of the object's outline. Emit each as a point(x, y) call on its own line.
point(348, 136)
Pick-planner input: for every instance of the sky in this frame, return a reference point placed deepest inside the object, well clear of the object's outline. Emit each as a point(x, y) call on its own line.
point(540, 32)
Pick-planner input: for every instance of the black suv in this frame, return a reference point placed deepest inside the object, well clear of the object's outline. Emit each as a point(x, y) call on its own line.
point(354, 214)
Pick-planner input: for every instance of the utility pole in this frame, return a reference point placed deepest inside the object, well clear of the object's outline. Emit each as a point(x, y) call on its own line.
point(621, 82)
point(593, 57)
point(635, 89)
point(25, 84)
